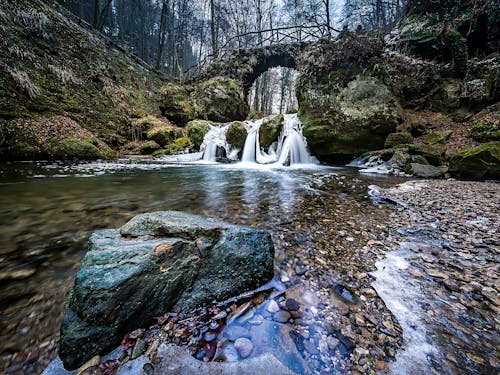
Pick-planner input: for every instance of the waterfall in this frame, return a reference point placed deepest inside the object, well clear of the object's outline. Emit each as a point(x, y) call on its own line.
point(214, 140)
point(290, 149)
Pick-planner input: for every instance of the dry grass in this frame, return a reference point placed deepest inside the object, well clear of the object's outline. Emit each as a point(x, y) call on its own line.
point(20, 53)
point(33, 20)
point(66, 76)
point(24, 82)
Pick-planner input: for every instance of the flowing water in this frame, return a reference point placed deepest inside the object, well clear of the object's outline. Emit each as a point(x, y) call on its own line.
point(48, 211)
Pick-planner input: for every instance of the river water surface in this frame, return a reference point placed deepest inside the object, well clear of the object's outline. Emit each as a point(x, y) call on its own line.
point(48, 211)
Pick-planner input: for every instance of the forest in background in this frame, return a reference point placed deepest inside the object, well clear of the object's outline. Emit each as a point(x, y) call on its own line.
point(179, 36)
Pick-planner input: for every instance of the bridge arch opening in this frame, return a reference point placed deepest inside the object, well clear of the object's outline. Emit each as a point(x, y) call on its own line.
point(273, 92)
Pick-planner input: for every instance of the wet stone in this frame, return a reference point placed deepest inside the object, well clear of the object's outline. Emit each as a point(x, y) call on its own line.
point(244, 347)
point(272, 306)
point(292, 304)
point(281, 316)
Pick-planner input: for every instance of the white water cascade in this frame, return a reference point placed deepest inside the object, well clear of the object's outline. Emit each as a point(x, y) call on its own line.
point(290, 149)
point(216, 139)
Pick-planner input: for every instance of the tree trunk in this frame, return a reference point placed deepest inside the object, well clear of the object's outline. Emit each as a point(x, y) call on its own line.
point(161, 34)
point(213, 30)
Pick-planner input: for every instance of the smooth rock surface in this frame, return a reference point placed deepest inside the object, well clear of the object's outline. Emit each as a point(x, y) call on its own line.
point(155, 262)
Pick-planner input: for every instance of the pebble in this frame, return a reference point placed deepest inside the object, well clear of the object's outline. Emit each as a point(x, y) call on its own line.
point(281, 316)
point(244, 347)
point(272, 306)
point(292, 304)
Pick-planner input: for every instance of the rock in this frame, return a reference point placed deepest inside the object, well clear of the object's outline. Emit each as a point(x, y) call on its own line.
point(139, 347)
point(424, 170)
point(400, 160)
point(439, 275)
point(396, 139)
point(349, 118)
point(92, 362)
point(244, 347)
point(234, 331)
point(164, 134)
point(292, 305)
point(155, 262)
point(437, 137)
point(272, 306)
point(281, 316)
point(270, 131)
point(179, 146)
point(433, 153)
point(217, 99)
point(332, 342)
point(196, 131)
point(477, 162)
point(485, 126)
point(236, 134)
point(148, 147)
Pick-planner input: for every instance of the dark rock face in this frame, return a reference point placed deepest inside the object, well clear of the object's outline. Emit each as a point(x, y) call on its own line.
point(155, 262)
point(217, 99)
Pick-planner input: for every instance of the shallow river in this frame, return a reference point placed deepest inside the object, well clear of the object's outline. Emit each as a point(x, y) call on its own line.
point(49, 210)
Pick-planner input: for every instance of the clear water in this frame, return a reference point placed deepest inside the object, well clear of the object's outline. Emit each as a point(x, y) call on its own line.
point(48, 210)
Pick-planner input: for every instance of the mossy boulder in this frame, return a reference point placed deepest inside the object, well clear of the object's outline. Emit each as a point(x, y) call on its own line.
point(477, 162)
point(164, 134)
point(196, 131)
point(236, 134)
point(218, 99)
point(395, 139)
point(485, 126)
point(270, 131)
point(350, 119)
point(438, 137)
point(179, 146)
point(424, 170)
point(53, 137)
point(221, 100)
point(433, 153)
point(148, 147)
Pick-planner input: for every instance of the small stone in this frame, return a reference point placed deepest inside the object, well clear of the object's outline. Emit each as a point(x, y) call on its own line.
point(332, 342)
point(134, 335)
point(244, 347)
point(284, 277)
point(437, 274)
point(281, 316)
point(381, 365)
point(139, 347)
point(235, 331)
point(292, 304)
point(361, 352)
point(369, 292)
point(272, 306)
point(92, 362)
point(475, 358)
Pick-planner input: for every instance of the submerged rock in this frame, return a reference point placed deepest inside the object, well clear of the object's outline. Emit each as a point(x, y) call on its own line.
point(270, 131)
point(424, 170)
point(156, 262)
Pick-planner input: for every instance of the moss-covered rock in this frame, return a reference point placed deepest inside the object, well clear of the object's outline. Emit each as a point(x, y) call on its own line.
point(424, 170)
point(218, 99)
point(164, 134)
point(395, 139)
point(477, 162)
point(148, 147)
point(179, 146)
point(236, 134)
point(54, 137)
point(433, 153)
point(348, 120)
point(485, 126)
point(438, 137)
point(196, 131)
point(270, 131)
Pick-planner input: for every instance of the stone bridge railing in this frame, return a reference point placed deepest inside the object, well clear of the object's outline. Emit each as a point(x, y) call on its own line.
point(287, 35)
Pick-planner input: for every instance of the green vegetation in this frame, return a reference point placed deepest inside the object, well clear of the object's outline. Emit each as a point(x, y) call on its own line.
point(395, 139)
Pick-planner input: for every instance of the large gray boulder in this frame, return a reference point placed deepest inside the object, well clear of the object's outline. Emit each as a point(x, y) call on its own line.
point(154, 263)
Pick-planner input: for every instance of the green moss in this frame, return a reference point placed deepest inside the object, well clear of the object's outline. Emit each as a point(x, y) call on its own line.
point(395, 139)
point(196, 131)
point(164, 134)
point(437, 137)
point(148, 147)
point(477, 162)
point(433, 153)
point(179, 146)
point(82, 149)
point(270, 131)
point(236, 134)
